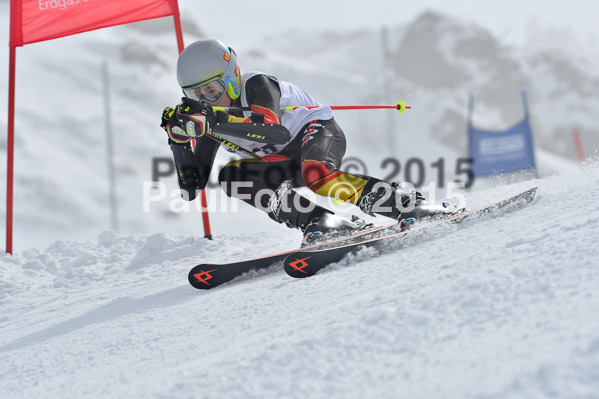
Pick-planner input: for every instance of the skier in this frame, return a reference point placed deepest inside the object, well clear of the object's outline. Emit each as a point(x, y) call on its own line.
point(209, 76)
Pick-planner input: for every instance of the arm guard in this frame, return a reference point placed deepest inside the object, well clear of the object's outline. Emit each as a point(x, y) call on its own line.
point(205, 152)
point(189, 174)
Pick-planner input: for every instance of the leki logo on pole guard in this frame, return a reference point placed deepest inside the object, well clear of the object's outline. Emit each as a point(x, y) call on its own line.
point(203, 277)
point(300, 264)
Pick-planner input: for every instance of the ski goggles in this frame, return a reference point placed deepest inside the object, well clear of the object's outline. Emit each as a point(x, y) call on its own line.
point(214, 89)
point(210, 91)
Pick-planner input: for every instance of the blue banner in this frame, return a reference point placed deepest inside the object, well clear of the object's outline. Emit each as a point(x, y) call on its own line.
point(505, 151)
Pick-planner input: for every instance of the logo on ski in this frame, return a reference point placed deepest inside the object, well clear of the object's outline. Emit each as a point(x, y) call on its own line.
point(300, 264)
point(203, 277)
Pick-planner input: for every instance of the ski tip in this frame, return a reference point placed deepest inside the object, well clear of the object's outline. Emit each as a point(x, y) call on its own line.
point(298, 265)
point(199, 277)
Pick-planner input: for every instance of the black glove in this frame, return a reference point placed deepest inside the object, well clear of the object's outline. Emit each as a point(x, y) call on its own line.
point(171, 125)
point(196, 117)
point(189, 106)
point(189, 119)
point(167, 117)
point(221, 116)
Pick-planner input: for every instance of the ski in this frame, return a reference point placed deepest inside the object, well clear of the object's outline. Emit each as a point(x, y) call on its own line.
point(210, 275)
point(308, 261)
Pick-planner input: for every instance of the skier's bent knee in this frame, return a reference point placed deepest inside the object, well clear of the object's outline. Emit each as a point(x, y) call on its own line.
point(314, 172)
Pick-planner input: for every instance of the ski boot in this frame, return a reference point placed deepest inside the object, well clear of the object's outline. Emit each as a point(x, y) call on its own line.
point(316, 222)
point(327, 226)
point(425, 211)
point(384, 199)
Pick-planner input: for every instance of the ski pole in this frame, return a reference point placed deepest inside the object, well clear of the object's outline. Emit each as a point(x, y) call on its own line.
point(400, 107)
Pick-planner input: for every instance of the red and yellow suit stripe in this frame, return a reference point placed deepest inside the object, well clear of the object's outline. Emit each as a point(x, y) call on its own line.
point(328, 183)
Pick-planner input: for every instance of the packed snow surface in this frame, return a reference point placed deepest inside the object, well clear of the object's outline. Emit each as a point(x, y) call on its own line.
point(506, 308)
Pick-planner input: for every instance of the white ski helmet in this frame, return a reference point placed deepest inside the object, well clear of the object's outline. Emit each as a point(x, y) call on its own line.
point(207, 69)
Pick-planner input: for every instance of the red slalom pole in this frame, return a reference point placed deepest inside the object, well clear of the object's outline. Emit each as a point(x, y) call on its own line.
point(10, 148)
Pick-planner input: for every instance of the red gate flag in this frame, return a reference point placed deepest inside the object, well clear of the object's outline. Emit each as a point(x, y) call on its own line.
point(34, 21)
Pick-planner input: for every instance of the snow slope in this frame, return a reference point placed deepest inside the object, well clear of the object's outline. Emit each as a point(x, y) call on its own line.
point(504, 309)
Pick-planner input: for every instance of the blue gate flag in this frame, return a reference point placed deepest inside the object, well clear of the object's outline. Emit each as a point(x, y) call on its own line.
point(496, 152)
